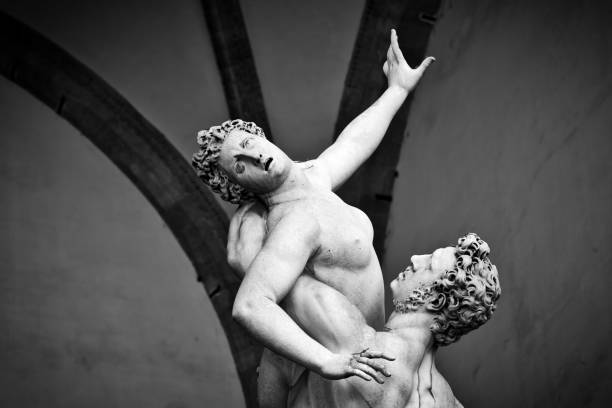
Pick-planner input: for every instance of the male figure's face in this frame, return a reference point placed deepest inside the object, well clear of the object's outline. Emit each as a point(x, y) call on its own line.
point(423, 271)
point(253, 162)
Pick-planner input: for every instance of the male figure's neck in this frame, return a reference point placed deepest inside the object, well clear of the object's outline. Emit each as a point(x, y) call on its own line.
point(413, 326)
point(295, 186)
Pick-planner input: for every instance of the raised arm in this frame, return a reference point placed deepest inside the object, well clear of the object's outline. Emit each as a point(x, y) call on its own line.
point(269, 278)
point(363, 135)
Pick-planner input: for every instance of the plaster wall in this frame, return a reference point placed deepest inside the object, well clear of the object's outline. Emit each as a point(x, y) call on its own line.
point(99, 306)
point(510, 137)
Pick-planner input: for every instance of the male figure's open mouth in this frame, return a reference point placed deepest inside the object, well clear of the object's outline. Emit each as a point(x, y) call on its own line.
point(267, 164)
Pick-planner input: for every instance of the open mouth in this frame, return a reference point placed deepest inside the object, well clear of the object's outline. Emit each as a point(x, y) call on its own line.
point(267, 164)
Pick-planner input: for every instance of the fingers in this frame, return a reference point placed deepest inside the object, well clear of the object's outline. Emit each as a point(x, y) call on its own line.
point(397, 52)
point(374, 364)
point(364, 365)
point(368, 371)
point(390, 55)
point(376, 354)
point(360, 374)
point(426, 62)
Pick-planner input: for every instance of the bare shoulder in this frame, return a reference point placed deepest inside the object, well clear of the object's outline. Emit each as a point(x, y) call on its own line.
point(292, 220)
point(317, 173)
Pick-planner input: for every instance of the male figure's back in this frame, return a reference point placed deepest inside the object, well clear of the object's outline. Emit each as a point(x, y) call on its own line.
point(415, 382)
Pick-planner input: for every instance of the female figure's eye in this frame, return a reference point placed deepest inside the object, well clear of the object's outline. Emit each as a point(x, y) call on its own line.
point(239, 167)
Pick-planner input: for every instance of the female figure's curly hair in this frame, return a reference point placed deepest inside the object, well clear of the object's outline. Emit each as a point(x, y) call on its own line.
point(464, 297)
point(205, 161)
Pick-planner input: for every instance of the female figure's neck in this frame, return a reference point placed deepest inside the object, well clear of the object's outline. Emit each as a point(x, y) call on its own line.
point(294, 187)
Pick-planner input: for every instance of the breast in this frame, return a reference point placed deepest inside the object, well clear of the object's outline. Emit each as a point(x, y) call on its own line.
point(346, 240)
point(345, 259)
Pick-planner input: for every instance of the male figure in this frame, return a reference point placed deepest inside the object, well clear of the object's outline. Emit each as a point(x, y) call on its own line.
point(438, 298)
point(308, 226)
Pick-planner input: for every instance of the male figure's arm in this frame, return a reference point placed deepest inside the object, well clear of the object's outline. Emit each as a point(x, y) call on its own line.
point(330, 318)
point(363, 135)
point(269, 278)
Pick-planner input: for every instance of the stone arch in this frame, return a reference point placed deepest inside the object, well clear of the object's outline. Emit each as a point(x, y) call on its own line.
point(146, 157)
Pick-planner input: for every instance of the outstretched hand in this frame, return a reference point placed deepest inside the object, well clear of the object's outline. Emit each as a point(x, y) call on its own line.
point(365, 364)
point(398, 72)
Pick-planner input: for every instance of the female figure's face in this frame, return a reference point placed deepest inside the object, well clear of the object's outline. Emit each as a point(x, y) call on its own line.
point(253, 162)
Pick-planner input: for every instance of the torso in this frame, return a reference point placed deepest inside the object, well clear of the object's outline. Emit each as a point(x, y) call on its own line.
point(345, 258)
point(416, 383)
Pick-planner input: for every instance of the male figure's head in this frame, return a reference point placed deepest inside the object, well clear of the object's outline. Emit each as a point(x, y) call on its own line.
point(237, 161)
point(458, 285)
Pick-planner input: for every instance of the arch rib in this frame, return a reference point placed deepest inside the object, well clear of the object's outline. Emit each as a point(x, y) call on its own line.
point(146, 157)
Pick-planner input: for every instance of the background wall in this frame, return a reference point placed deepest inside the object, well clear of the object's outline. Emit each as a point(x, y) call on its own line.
point(98, 304)
point(508, 136)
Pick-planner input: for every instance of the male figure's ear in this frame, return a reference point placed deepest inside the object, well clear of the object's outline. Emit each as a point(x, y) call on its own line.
point(437, 303)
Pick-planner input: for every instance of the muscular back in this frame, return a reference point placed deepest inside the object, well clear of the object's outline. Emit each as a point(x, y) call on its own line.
point(415, 380)
point(400, 391)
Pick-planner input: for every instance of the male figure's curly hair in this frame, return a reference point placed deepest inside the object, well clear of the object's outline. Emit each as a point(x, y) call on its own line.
point(464, 297)
point(205, 161)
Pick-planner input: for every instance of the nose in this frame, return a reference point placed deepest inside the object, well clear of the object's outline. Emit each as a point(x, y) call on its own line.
point(420, 261)
point(257, 158)
point(261, 160)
